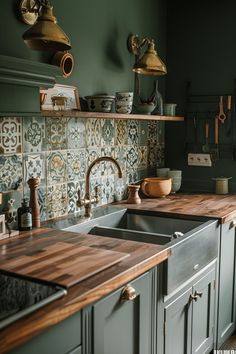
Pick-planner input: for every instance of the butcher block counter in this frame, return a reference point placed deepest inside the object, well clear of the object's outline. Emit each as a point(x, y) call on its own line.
point(129, 258)
point(221, 207)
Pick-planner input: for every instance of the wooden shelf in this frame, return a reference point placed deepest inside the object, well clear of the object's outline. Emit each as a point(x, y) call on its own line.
point(102, 115)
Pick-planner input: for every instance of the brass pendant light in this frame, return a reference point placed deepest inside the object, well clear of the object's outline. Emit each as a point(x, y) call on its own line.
point(45, 34)
point(149, 63)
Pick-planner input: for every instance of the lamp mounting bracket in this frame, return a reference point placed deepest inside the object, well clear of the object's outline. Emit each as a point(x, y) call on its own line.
point(29, 11)
point(133, 44)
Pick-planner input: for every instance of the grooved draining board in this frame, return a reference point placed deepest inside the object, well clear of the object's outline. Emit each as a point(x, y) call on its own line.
point(63, 263)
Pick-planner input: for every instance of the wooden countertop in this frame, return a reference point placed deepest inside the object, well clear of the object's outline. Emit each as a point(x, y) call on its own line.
point(142, 257)
point(221, 207)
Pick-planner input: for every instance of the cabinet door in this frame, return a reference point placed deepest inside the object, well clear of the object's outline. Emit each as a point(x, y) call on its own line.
point(227, 298)
point(124, 326)
point(203, 314)
point(177, 325)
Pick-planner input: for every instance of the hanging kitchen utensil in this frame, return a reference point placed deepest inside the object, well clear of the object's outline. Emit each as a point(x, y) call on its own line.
point(206, 146)
point(229, 101)
point(215, 150)
point(221, 115)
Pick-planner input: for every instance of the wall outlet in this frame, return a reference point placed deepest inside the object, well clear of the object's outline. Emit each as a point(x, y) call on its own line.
point(199, 160)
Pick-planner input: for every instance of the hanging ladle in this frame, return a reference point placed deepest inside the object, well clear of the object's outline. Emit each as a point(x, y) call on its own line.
point(221, 115)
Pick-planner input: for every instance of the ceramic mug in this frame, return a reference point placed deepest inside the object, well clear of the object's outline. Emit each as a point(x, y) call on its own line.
point(169, 109)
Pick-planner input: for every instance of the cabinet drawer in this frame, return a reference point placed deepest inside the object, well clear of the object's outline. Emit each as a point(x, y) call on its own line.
point(191, 254)
point(59, 339)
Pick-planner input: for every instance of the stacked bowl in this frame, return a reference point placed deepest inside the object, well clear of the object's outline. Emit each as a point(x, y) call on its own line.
point(124, 102)
point(176, 176)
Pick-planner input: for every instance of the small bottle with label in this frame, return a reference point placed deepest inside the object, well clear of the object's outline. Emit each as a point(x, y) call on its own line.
point(24, 216)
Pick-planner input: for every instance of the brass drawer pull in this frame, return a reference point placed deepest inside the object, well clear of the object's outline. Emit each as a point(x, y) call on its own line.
point(232, 224)
point(128, 293)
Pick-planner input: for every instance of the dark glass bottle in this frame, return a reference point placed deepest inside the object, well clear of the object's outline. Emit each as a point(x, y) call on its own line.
point(159, 107)
point(24, 216)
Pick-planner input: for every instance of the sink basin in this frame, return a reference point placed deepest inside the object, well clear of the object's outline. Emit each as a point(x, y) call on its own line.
point(193, 241)
point(128, 225)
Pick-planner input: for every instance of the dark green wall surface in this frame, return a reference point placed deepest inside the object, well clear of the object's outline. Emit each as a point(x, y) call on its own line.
point(98, 31)
point(201, 49)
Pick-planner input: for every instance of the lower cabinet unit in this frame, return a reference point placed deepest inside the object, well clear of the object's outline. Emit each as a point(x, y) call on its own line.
point(227, 283)
point(122, 320)
point(189, 315)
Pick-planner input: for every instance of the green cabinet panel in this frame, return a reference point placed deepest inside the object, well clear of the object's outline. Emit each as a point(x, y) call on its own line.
point(203, 314)
point(62, 338)
point(189, 315)
point(76, 350)
point(177, 326)
point(227, 298)
point(124, 326)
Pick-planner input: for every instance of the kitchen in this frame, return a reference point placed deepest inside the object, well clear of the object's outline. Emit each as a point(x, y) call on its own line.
point(103, 64)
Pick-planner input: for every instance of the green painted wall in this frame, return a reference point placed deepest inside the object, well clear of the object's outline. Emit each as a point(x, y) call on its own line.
point(98, 31)
point(201, 49)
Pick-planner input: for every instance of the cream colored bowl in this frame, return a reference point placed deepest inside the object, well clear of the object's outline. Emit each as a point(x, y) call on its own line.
point(156, 187)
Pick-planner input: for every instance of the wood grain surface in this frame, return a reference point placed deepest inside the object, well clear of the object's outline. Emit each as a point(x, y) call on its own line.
point(62, 263)
point(221, 207)
point(142, 257)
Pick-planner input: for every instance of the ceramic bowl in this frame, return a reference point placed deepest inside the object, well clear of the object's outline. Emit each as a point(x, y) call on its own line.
point(124, 96)
point(145, 107)
point(156, 187)
point(123, 107)
point(162, 171)
point(100, 103)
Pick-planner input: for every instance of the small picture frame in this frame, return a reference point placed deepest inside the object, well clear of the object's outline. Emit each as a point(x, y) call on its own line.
point(60, 97)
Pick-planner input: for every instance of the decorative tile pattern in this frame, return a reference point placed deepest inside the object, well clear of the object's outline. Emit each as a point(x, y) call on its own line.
point(132, 158)
point(93, 154)
point(56, 167)
point(34, 166)
point(76, 164)
point(133, 132)
point(156, 155)
point(121, 132)
point(10, 135)
point(142, 156)
point(143, 133)
point(33, 134)
point(10, 172)
point(107, 168)
point(107, 189)
point(56, 133)
point(152, 131)
point(107, 128)
point(160, 132)
point(72, 194)
point(56, 200)
point(120, 154)
point(76, 133)
point(93, 132)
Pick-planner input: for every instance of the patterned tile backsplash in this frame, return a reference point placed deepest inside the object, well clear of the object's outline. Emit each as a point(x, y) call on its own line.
point(59, 151)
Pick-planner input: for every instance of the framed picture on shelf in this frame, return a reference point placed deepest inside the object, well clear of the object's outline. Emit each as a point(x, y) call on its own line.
point(60, 97)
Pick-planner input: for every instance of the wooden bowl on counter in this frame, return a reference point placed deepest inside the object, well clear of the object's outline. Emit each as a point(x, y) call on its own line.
point(156, 187)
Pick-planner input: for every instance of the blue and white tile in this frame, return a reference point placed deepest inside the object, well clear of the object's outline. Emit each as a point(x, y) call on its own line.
point(11, 172)
point(56, 200)
point(56, 167)
point(72, 193)
point(76, 164)
point(107, 129)
point(93, 132)
point(10, 135)
point(107, 189)
point(34, 166)
point(34, 134)
point(143, 133)
point(107, 167)
point(76, 133)
point(56, 133)
point(152, 132)
point(132, 157)
point(133, 132)
point(120, 154)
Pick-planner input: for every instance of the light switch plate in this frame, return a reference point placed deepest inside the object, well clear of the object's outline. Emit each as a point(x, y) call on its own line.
point(199, 160)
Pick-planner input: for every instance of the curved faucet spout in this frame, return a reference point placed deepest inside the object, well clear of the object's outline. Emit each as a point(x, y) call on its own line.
point(98, 160)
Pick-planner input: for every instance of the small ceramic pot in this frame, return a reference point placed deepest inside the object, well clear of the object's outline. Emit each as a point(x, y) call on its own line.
point(222, 185)
point(133, 196)
point(169, 109)
point(124, 96)
point(100, 103)
point(156, 187)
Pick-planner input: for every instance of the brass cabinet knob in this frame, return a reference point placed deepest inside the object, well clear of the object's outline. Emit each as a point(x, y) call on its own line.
point(195, 296)
point(232, 224)
point(128, 293)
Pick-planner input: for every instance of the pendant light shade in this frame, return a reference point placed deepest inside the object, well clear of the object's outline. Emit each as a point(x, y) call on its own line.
point(45, 34)
point(149, 63)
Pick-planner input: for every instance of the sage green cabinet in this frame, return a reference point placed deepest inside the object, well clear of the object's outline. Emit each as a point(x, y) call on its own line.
point(124, 326)
point(227, 281)
point(189, 315)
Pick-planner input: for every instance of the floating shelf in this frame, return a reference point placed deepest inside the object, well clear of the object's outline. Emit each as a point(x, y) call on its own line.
point(102, 115)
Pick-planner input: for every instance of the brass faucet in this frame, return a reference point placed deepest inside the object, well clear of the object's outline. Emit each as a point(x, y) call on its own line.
point(87, 201)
